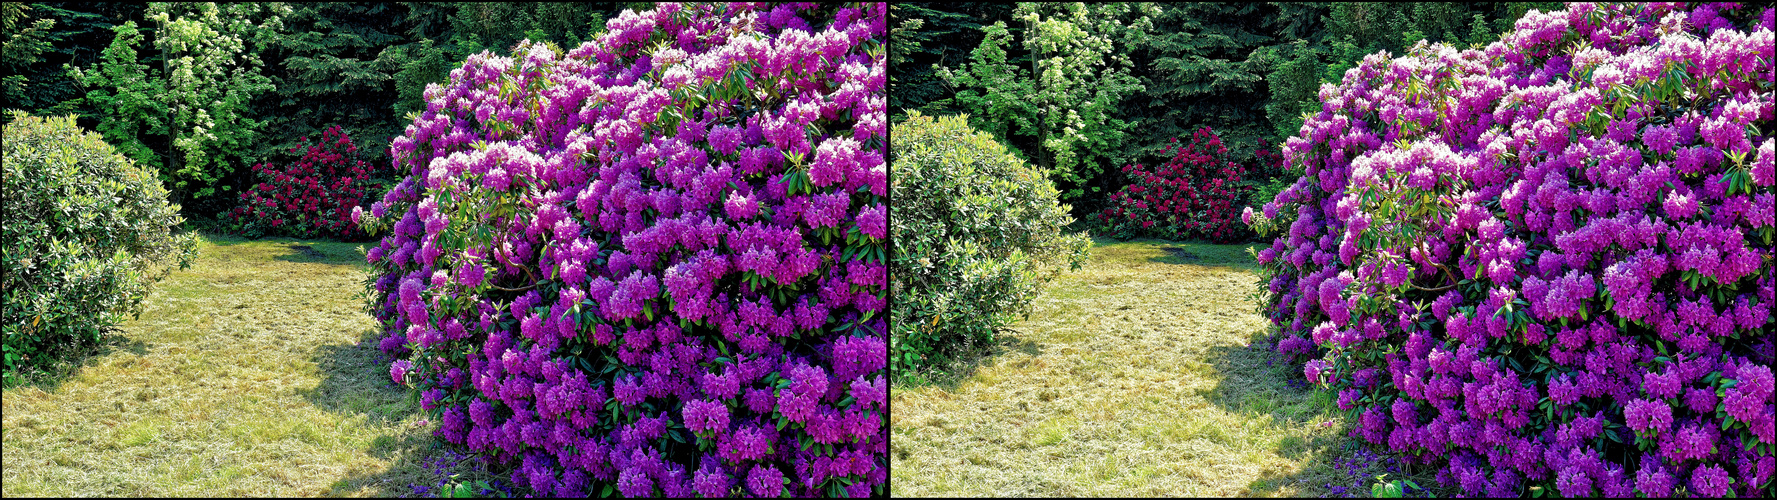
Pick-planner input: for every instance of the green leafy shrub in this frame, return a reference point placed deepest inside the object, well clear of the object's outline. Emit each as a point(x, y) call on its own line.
point(976, 232)
point(86, 233)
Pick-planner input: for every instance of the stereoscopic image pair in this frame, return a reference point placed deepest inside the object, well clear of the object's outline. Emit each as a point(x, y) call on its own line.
point(888, 249)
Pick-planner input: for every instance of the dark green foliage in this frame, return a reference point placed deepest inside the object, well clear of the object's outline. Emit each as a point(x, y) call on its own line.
point(87, 233)
point(925, 35)
point(1065, 103)
point(421, 63)
point(362, 66)
point(1297, 77)
point(198, 98)
point(335, 53)
point(1248, 70)
point(976, 233)
point(441, 34)
point(41, 38)
point(213, 72)
point(500, 26)
point(25, 40)
point(1197, 69)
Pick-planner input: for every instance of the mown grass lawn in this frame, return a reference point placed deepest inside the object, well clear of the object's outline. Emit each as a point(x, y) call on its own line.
point(1133, 376)
point(252, 373)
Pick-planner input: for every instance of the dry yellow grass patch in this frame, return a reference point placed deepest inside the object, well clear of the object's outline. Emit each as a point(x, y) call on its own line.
point(253, 373)
point(1141, 384)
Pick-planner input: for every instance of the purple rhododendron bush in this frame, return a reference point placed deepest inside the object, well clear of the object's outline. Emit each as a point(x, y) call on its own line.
point(653, 265)
point(1546, 265)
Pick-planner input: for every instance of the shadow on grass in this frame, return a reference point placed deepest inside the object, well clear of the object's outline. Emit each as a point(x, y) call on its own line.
point(1250, 383)
point(306, 251)
point(950, 372)
point(421, 466)
point(355, 381)
point(1194, 252)
point(1198, 253)
point(1191, 252)
point(71, 357)
point(339, 254)
point(1254, 382)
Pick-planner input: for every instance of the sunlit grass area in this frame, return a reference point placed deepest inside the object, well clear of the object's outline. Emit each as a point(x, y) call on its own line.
point(1133, 376)
point(252, 373)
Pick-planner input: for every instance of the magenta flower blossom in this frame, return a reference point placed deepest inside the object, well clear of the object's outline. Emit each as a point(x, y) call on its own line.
point(765, 481)
point(625, 219)
point(873, 222)
point(1644, 415)
point(701, 416)
point(711, 480)
point(1752, 395)
point(1693, 442)
point(1314, 370)
point(1561, 250)
point(1710, 480)
point(398, 370)
point(634, 483)
point(1653, 482)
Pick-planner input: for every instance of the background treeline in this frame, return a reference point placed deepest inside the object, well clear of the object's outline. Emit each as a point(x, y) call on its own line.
point(1115, 82)
point(200, 92)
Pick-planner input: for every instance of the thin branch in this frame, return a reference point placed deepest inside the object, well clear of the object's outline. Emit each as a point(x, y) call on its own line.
point(1439, 289)
point(520, 289)
point(1447, 275)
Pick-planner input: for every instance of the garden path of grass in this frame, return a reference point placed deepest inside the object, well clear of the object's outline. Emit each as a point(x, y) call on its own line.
point(1140, 383)
point(252, 373)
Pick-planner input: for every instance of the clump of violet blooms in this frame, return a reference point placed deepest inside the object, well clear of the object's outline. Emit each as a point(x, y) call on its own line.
point(1548, 262)
point(652, 265)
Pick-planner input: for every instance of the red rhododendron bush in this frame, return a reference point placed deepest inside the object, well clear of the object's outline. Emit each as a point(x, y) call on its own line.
point(1196, 193)
point(313, 197)
point(1546, 264)
point(653, 265)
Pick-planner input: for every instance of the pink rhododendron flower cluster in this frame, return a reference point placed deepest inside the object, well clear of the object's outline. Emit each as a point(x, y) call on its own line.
point(653, 265)
point(1557, 250)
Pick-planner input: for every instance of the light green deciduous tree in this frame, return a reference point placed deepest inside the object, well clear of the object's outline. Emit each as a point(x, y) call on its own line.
point(1069, 98)
point(130, 97)
point(199, 97)
point(213, 75)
